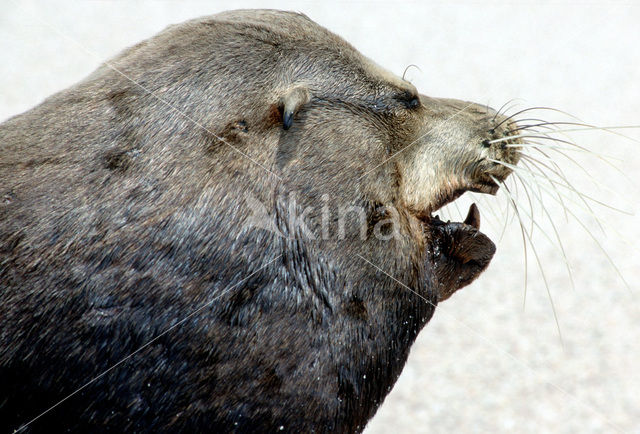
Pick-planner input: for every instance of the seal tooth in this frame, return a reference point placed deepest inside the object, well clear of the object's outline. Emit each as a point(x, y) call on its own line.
point(473, 217)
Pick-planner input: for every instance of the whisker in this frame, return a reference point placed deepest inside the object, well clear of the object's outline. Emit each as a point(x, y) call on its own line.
point(524, 245)
point(588, 127)
point(533, 162)
point(503, 106)
point(576, 148)
point(500, 109)
point(531, 119)
point(506, 109)
point(528, 199)
point(508, 118)
point(555, 230)
point(592, 237)
point(407, 68)
point(526, 166)
point(535, 252)
point(603, 157)
point(545, 136)
point(597, 219)
point(538, 108)
point(603, 250)
point(568, 184)
point(487, 204)
point(559, 149)
point(458, 209)
point(562, 176)
point(543, 123)
point(516, 168)
point(588, 209)
point(550, 159)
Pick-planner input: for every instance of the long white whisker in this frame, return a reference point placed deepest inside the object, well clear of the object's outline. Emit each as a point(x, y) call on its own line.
point(555, 230)
point(527, 158)
point(511, 117)
point(511, 202)
point(603, 157)
point(458, 209)
point(562, 176)
point(559, 150)
point(591, 235)
point(545, 124)
point(548, 158)
point(535, 252)
point(546, 136)
point(486, 204)
point(603, 250)
point(573, 146)
point(587, 127)
point(528, 200)
point(560, 184)
point(597, 219)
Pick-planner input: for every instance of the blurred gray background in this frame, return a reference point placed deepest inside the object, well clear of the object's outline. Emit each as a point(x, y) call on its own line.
point(488, 361)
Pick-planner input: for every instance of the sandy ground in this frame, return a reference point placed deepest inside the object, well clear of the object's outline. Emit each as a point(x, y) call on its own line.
point(484, 363)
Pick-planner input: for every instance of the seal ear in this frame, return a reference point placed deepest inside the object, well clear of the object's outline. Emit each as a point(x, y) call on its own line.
point(291, 102)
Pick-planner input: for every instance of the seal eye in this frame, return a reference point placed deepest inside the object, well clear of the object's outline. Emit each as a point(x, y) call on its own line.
point(408, 99)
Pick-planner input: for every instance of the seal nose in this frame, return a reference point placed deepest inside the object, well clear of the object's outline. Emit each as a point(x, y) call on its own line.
point(504, 134)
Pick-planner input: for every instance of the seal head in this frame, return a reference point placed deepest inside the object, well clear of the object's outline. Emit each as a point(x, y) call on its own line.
point(137, 295)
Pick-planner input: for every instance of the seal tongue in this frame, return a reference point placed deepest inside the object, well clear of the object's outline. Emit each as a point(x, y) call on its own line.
point(473, 217)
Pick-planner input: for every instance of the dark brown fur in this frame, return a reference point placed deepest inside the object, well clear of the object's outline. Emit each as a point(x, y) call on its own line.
point(125, 213)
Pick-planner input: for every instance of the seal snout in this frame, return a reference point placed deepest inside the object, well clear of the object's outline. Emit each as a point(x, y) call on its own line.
point(500, 149)
point(503, 139)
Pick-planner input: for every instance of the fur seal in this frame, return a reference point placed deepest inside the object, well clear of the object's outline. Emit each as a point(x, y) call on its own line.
point(135, 295)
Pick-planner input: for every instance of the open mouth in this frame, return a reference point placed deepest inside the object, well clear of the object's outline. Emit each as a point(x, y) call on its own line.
point(473, 215)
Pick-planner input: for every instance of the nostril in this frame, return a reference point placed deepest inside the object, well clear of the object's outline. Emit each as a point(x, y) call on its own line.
point(486, 143)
